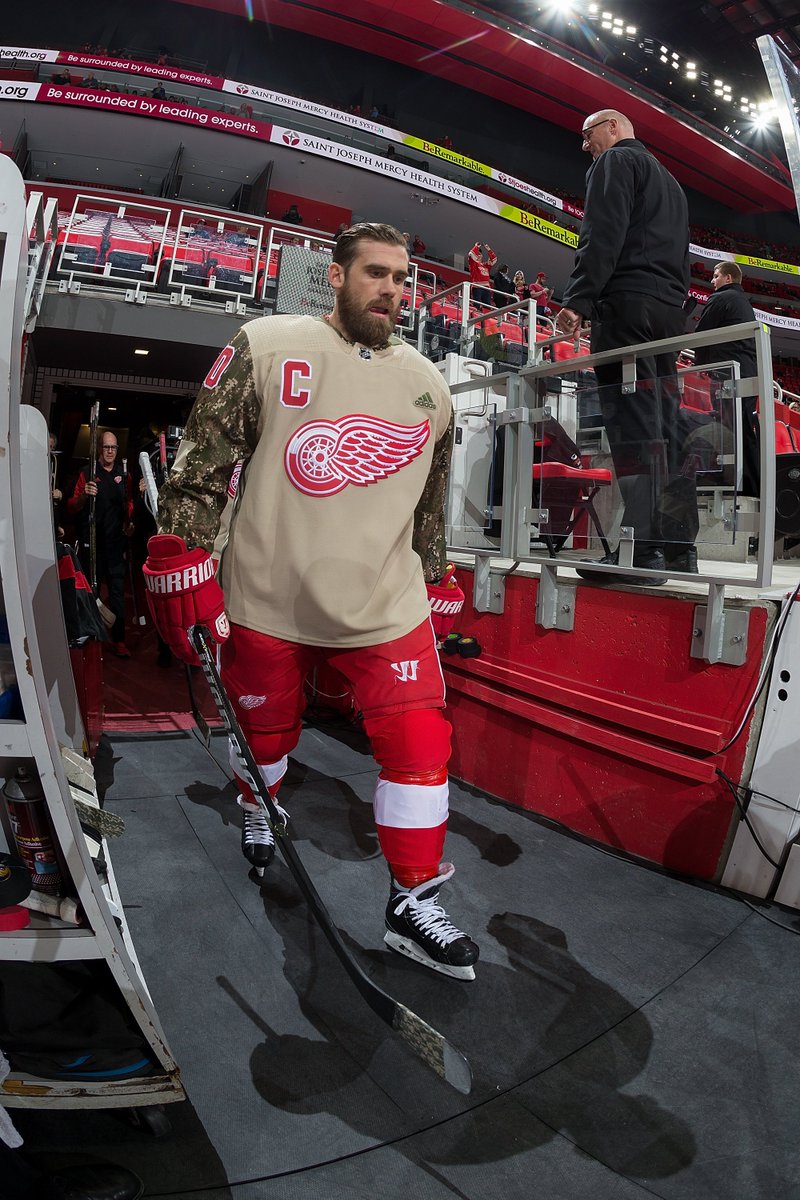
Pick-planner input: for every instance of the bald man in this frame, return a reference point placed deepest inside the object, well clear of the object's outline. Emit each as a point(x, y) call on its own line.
point(630, 279)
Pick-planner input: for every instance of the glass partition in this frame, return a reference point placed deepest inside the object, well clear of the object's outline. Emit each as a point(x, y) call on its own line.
point(630, 452)
point(214, 255)
point(108, 239)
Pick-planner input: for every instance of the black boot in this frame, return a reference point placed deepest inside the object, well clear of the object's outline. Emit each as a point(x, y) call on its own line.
point(681, 558)
point(104, 1181)
point(648, 558)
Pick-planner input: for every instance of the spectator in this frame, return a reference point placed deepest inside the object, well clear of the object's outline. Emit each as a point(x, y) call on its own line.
point(503, 287)
point(539, 292)
point(480, 272)
point(292, 216)
point(106, 494)
point(520, 287)
point(729, 306)
point(245, 109)
point(91, 81)
point(418, 246)
point(158, 92)
point(61, 77)
point(630, 278)
point(408, 241)
point(447, 142)
point(340, 230)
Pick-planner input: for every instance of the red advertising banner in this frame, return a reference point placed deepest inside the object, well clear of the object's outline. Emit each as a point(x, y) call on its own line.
point(147, 106)
point(155, 70)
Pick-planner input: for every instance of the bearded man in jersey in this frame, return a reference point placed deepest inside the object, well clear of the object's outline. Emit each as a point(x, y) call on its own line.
point(335, 553)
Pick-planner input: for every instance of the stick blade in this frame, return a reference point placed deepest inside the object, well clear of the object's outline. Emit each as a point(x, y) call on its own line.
point(434, 1049)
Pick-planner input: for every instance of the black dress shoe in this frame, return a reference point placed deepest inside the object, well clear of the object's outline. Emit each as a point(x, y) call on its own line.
point(651, 559)
point(104, 1181)
point(681, 559)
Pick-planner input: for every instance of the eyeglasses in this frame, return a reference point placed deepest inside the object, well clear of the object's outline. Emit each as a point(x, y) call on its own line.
point(585, 132)
point(109, 446)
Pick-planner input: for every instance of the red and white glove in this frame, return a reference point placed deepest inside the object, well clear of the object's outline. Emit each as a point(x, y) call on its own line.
point(182, 591)
point(447, 600)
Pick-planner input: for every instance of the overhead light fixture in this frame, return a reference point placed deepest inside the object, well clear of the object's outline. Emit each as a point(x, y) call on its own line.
point(691, 74)
point(141, 352)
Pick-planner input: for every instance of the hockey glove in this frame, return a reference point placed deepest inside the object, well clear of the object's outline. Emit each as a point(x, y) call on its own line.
point(182, 591)
point(446, 600)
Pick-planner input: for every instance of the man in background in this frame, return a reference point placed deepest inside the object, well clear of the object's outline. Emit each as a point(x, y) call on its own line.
point(113, 511)
point(630, 280)
point(729, 306)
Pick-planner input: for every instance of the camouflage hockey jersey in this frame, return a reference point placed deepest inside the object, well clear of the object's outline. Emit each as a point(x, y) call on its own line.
point(339, 514)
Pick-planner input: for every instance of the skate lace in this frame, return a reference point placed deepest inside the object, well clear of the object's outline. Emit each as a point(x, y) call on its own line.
point(257, 829)
point(429, 917)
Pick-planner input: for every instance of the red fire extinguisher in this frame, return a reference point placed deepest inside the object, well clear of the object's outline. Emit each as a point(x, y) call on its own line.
point(30, 823)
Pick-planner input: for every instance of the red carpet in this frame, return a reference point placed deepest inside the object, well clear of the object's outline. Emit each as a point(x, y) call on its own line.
point(142, 697)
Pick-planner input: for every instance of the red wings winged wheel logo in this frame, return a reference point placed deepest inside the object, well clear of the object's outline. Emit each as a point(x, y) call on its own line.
point(323, 457)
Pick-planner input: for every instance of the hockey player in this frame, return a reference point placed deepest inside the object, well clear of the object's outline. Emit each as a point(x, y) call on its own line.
point(337, 527)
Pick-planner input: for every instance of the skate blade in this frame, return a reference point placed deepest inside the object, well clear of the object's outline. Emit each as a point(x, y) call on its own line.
point(411, 950)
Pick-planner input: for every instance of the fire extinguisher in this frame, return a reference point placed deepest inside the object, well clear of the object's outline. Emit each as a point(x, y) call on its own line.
point(30, 824)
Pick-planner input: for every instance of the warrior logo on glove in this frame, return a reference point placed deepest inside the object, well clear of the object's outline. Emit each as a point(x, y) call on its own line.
point(446, 601)
point(182, 591)
point(181, 581)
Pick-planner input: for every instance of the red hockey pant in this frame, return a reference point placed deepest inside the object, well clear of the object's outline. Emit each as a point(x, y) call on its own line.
point(399, 689)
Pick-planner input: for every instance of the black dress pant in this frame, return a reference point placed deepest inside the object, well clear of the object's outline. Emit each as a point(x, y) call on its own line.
point(111, 572)
point(643, 427)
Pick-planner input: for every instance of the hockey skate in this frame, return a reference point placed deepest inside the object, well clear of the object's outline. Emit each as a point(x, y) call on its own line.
point(418, 926)
point(258, 840)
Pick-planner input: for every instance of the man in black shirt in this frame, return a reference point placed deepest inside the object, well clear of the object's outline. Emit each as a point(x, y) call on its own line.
point(504, 293)
point(729, 306)
point(113, 525)
point(630, 279)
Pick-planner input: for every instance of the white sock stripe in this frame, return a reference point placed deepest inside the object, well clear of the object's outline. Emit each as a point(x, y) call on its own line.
point(410, 805)
point(271, 773)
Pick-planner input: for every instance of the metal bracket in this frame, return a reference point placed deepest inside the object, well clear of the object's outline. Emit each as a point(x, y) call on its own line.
point(626, 543)
point(628, 376)
point(719, 634)
point(555, 602)
point(488, 589)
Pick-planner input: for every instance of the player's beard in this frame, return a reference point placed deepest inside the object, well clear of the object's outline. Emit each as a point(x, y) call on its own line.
point(358, 322)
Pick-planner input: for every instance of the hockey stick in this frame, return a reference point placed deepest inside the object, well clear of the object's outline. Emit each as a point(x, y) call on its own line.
point(426, 1042)
point(93, 418)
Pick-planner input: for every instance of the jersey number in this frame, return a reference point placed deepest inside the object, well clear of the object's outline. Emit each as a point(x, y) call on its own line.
point(215, 374)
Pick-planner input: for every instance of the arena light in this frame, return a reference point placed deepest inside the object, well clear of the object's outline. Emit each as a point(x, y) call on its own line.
point(144, 352)
point(564, 7)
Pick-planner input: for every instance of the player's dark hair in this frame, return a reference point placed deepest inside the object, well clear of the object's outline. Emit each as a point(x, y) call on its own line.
point(346, 247)
point(731, 269)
